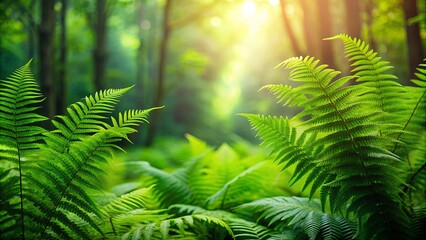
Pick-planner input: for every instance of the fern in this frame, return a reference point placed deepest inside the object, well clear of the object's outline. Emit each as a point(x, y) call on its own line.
point(170, 187)
point(289, 148)
point(244, 229)
point(345, 144)
point(84, 118)
point(136, 215)
point(302, 214)
point(19, 96)
point(416, 143)
point(53, 173)
point(217, 179)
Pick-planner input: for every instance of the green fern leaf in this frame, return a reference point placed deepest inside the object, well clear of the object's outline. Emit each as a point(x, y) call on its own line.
point(301, 213)
point(19, 98)
point(244, 229)
point(385, 92)
point(175, 184)
point(350, 161)
point(235, 190)
point(84, 118)
point(141, 198)
point(289, 149)
point(82, 163)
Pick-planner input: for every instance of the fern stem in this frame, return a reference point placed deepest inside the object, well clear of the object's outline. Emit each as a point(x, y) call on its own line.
point(409, 120)
point(112, 226)
point(21, 194)
point(224, 197)
point(410, 182)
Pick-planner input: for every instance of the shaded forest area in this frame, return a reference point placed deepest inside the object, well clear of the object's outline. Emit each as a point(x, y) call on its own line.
point(204, 60)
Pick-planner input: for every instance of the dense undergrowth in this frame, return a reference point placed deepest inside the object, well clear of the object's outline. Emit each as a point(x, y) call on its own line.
point(349, 165)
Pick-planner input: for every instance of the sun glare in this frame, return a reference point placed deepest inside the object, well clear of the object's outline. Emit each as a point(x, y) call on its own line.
point(249, 8)
point(215, 21)
point(274, 2)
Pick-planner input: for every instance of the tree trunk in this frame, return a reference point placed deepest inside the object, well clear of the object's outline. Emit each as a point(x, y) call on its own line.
point(159, 94)
point(31, 30)
point(140, 83)
point(141, 54)
point(99, 53)
point(353, 19)
point(369, 6)
point(61, 96)
point(313, 41)
point(288, 29)
point(325, 27)
point(414, 42)
point(46, 48)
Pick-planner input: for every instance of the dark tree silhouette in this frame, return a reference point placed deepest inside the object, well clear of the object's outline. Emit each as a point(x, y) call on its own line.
point(46, 51)
point(61, 96)
point(325, 27)
point(141, 53)
point(100, 52)
point(313, 41)
point(159, 95)
point(289, 31)
point(414, 41)
point(353, 19)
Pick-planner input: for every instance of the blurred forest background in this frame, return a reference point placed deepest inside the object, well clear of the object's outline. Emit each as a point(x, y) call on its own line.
point(203, 59)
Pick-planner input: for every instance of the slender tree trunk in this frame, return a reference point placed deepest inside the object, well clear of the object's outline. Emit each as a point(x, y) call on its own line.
point(159, 95)
point(325, 27)
point(288, 29)
point(31, 30)
point(46, 48)
point(61, 98)
point(99, 53)
point(313, 41)
point(414, 42)
point(140, 83)
point(353, 19)
point(141, 53)
point(369, 6)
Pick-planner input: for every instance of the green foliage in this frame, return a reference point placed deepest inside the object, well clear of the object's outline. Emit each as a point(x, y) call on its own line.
point(208, 188)
point(354, 142)
point(213, 179)
point(138, 214)
point(303, 214)
point(47, 176)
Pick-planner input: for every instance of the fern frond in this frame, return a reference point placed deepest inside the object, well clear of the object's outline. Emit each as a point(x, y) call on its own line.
point(218, 217)
point(301, 213)
point(156, 225)
point(141, 198)
point(244, 229)
point(385, 92)
point(84, 118)
point(170, 187)
point(241, 187)
point(351, 163)
point(128, 120)
point(418, 221)
point(286, 94)
point(355, 151)
point(19, 134)
point(61, 187)
point(289, 148)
